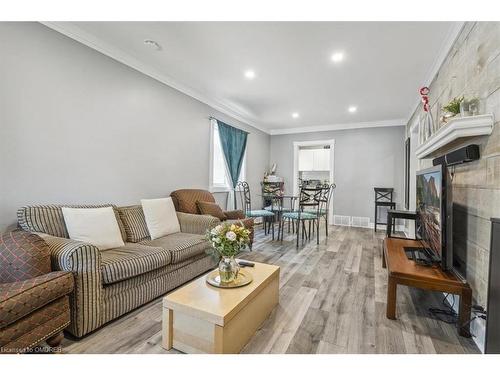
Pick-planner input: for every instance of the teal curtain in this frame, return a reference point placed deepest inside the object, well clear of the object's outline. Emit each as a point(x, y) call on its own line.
point(234, 143)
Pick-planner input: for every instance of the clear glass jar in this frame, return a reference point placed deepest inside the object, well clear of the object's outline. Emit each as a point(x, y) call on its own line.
point(472, 106)
point(475, 105)
point(465, 108)
point(228, 269)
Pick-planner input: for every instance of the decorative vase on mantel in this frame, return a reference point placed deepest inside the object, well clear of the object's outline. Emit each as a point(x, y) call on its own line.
point(427, 123)
point(228, 269)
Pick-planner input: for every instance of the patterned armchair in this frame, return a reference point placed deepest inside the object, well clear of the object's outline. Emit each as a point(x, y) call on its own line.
point(34, 303)
point(185, 201)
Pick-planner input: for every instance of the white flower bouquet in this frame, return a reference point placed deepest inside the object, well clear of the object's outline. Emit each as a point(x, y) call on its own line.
point(228, 239)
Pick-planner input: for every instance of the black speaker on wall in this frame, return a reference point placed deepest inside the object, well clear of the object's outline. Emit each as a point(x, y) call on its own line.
point(462, 155)
point(492, 344)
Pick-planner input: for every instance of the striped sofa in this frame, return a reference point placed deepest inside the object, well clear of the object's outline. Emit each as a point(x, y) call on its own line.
point(112, 282)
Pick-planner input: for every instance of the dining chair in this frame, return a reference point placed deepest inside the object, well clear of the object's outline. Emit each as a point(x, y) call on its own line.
point(325, 199)
point(268, 217)
point(276, 207)
point(309, 206)
point(276, 203)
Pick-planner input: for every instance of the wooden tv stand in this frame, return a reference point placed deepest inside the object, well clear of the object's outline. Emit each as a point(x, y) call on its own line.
point(404, 271)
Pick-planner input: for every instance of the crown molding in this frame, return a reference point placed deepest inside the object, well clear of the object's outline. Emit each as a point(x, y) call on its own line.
point(445, 49)
point(348, 126)
point(81, 36)
point(70, 30)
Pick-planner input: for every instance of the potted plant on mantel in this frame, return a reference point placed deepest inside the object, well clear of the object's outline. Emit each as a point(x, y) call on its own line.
point(461, 105)
point(452, 109)
point(227, 241)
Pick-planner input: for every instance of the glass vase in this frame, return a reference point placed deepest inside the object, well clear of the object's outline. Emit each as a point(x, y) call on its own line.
point(465, 110)
point(228, 269)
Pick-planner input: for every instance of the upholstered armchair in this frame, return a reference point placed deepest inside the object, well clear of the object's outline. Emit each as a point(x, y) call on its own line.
point(34, 302)
point(185, 200)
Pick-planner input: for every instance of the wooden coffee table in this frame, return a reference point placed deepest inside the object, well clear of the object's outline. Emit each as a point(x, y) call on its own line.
point(200, 318)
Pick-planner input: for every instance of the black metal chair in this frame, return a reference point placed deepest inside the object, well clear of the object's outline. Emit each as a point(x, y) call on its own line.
point(326, 197)
point(310, 205)
point(268, 192)
point(383, 198)
point(280, 207)
point(268, 217)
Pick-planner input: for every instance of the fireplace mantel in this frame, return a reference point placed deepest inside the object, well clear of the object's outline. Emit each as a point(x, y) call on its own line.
point(456, 128)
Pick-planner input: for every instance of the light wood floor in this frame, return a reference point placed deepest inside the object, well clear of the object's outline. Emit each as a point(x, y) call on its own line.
point(332, 300)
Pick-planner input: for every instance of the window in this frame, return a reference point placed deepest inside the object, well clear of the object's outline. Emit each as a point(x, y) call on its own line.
point(219, 179)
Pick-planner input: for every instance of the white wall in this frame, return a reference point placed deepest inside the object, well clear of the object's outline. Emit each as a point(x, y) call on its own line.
point(77, 126)
point(364, 159)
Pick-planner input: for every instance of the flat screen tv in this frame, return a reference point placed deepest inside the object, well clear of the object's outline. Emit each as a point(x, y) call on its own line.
point(434, 208)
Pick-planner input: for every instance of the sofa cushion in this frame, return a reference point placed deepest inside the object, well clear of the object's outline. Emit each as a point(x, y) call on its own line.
point(20, 298)
point(181, 245)
point(134, 223)
point(49, 219)
point(131, 260)
point(212, 209)
point(126, 286)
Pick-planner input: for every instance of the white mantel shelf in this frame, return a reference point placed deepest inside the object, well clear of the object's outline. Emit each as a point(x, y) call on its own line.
point(460, 127)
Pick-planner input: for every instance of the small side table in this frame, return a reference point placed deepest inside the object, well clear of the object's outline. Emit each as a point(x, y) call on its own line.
point(392, 215)
point(403, 271)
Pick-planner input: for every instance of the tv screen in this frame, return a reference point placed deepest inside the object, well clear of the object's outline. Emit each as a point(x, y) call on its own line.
point(432, 208)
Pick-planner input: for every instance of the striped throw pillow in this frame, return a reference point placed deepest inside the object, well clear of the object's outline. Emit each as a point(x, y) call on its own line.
point(134, 223)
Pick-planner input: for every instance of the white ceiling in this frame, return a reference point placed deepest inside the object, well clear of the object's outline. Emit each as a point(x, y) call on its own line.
point(385, 64)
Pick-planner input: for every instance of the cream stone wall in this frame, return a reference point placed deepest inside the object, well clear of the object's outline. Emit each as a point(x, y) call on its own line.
point(472, 68)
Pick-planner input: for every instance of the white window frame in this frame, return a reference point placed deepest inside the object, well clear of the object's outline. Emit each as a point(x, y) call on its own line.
point(221, 188)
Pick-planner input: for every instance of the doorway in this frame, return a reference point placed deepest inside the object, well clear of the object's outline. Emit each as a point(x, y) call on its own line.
point(305, 166)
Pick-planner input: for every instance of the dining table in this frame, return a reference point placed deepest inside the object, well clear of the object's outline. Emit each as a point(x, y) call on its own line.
point(281, 196)
point(292, 197)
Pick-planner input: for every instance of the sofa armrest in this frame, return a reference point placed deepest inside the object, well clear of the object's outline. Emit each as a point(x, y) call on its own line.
point(84, 261)
point(196, 224)
point(234, 214)
point(71, 255)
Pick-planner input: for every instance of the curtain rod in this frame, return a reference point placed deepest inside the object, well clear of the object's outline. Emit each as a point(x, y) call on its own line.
point(237, 127)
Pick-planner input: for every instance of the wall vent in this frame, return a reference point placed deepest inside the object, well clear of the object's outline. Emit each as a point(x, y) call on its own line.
point(341, 220)
point(362, 222)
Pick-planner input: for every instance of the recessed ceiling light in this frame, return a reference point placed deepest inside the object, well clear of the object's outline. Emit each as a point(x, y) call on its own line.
point(352, 109)
point(249, 74)
point(295, 115)
point(337, 57)
point(152, 44)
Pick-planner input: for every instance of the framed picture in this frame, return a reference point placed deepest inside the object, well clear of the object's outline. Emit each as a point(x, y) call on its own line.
point(407, 173)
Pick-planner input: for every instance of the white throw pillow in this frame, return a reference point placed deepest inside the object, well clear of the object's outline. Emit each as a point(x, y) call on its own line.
point(97, 226)
point(161, 217)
